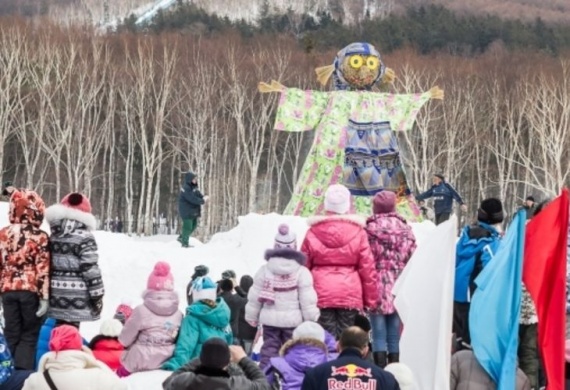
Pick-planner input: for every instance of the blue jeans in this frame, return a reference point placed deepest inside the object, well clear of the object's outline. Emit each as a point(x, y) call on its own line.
point(385, 332)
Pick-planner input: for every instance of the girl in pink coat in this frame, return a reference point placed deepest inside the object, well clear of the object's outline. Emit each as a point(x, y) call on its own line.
point(149, 335)
point(339, 257)
point(393, 243)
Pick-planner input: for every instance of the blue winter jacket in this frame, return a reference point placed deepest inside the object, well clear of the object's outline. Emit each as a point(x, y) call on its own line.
point(190, 200)
point(443, 195)
point(475, 248)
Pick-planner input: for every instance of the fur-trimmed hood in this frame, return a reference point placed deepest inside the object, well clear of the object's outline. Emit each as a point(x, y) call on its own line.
point(356, 219)
point(286, 253)
point(336, 231)
point(57, 213)
point(302, 341)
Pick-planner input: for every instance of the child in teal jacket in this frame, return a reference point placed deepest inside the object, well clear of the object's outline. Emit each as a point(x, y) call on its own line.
point(207, 317)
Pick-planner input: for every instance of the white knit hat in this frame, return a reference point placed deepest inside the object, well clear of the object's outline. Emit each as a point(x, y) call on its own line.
point(111, 328)
point(285, 238)
point(337, 199)
point(404, 376)
point(309, 330)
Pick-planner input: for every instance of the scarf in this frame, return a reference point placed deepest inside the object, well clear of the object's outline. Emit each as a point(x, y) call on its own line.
point(276, 283)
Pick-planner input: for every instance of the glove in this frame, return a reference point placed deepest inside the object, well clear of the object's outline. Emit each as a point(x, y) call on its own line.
point(97, 305)
point(42, 308)
point(206, 198)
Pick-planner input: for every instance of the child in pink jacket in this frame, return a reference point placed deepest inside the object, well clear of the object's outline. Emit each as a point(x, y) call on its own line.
point(149, 335)
point(393, 243)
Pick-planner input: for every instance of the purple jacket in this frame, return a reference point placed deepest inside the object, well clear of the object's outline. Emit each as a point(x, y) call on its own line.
point(149, 335)
point(392, 242)
point(296, 358)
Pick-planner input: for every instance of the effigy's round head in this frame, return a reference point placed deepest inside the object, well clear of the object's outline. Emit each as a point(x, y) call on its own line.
point(358, 67)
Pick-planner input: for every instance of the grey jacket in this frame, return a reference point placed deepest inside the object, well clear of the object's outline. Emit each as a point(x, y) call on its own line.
point(468, 374)
point(76, 282)
point(246, 376)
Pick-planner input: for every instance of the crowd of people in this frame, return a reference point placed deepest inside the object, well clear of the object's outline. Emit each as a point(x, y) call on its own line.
point(323, 307)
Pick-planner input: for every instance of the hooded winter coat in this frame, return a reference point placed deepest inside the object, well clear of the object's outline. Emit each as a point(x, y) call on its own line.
point(107, 350)
point(76, 280)
point(475, 249)
point(190, 200)
point(468, 374)
point(340, 259)
point(292, 305)
point(149, 335)
point(72, 370)
point(393, 243)
point(296, 358)
point(245, 330)
point(202, 322)
point(195, 377)
point(24, 248)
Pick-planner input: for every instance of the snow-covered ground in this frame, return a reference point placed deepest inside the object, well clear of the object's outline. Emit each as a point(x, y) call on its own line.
point(127, 261)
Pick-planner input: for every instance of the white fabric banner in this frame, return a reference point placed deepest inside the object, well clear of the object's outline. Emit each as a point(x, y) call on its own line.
point(424, 300)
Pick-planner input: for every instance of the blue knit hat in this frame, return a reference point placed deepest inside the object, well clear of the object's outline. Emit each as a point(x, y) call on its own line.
point(204, 288)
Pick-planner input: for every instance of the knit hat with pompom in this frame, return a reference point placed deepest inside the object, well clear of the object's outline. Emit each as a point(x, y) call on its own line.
point(285, 238)
point(161, 279)
point(77, 201)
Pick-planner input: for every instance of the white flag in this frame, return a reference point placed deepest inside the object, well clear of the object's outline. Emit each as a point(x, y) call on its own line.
point(424, 300)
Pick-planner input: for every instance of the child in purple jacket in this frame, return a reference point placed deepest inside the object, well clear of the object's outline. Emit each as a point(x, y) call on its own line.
point(304, 351)
point(149, 335)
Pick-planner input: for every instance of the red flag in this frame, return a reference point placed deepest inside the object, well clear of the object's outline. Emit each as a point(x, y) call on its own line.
point(544, 275)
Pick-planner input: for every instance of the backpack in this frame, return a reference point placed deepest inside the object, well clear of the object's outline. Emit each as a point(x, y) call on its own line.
point(6, 361)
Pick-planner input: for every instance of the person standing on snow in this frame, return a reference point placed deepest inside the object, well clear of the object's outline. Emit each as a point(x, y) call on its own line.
point(24, 274)
point(76, 283)
point(443, 194)
point(282, 296)
point(190, 203)
point(475, 248)
point(393, 243)
point(341, 262)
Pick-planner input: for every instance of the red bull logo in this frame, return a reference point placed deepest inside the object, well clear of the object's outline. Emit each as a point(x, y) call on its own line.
point(353, 373)
point(351, 384)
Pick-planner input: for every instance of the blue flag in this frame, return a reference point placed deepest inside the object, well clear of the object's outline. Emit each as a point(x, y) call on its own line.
point(496, 306)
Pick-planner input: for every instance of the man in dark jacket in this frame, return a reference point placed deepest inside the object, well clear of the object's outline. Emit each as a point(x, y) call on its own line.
point(246, 333)
point(529, 206)
point(211, 370)
point(350, 370)
point(190, 204)
point(234, 301)
point(443, 194)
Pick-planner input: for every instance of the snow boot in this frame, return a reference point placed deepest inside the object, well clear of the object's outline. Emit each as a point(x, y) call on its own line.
point(393, 358)
point(380, 359)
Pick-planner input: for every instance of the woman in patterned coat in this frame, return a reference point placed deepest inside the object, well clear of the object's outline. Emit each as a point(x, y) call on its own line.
point(393, 243)
point(76, 283)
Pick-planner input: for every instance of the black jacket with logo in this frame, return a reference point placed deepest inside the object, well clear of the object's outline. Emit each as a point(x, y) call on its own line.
point(349, 371)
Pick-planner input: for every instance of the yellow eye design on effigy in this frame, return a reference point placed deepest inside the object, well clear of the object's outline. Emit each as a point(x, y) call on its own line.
point(356, 61)
point(372, 63)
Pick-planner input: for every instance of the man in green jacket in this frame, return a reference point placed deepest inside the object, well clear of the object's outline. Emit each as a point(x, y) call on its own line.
point(213, 370)
point(190, 203)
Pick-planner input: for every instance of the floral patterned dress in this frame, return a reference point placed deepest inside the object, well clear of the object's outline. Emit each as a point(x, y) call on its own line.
point(354, 145)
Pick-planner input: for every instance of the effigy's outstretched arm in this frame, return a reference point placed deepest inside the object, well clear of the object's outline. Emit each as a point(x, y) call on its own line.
point(275, 86)
point(436, 93)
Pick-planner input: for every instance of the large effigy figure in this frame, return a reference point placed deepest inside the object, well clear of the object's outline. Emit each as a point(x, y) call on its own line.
point(355, 143)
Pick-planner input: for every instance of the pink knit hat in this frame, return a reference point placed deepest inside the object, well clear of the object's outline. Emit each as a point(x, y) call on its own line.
point(65, 338)
point(337, 199)
point(77, 201)
point(384, 202)
point(161, 279)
